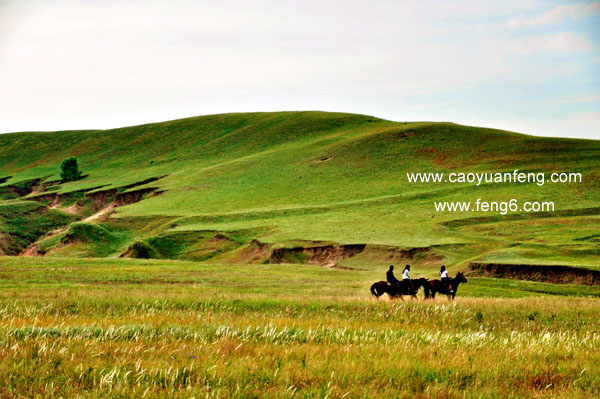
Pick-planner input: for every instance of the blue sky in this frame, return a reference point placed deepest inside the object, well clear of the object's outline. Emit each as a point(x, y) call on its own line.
point(527, 66)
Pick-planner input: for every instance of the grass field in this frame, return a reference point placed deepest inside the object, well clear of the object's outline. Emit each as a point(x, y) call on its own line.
point(147, 328)
point(260, 236)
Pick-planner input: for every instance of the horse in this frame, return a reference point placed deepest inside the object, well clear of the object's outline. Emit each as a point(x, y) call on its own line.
point(383, 287)
point(436, 286)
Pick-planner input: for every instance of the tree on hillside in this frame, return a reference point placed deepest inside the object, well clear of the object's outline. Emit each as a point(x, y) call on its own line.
point(69, 171)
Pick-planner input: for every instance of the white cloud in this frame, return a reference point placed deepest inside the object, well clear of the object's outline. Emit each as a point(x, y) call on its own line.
point(564, 42)
point(585, 124)
point(87, 57)
point(579, 99)
point(551, 16)
point(109, 63)
point(592, 8)
point(556, 14)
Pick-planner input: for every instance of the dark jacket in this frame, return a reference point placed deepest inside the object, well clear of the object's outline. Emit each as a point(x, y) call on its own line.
point(391, 278)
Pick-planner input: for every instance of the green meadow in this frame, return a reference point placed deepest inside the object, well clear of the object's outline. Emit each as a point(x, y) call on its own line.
point(129, 328)
point(230, 256)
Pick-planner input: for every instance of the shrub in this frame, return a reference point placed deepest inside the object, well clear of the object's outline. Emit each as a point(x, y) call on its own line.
point(142, 250)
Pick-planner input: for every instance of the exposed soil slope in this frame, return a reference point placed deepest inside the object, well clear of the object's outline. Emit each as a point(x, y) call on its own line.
point(545, 273)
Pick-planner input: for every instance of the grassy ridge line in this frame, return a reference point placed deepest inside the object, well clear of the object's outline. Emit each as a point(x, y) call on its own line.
point(279, 180)
point(176, 141)
point(306, 119)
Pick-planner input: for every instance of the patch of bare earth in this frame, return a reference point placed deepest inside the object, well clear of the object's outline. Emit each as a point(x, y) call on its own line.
point(331, 254)
point(556, 274)
point(102, 214)
point(325, 255)
point(31, 251)
point(255, 252)
point(419, 255)
point(74, 209)
point(3, 244)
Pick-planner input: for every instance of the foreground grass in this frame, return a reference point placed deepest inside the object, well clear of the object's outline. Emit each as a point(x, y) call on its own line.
point(122, 328)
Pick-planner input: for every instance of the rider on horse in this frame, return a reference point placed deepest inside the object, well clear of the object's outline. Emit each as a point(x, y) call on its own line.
point(406, 276)
point(445, 279)
point(391, 279)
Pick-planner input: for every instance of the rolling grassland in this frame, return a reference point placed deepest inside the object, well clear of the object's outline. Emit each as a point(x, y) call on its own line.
point(230, 256)
point(234, 188)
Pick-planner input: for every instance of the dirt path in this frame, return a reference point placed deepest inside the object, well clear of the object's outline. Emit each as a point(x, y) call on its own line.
point(32, 250)
point(101, 214)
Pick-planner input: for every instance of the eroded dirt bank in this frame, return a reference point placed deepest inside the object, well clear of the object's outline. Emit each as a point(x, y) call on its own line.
point(556, 274)
point(332, 253)
point(327, 255)
point(56, 211)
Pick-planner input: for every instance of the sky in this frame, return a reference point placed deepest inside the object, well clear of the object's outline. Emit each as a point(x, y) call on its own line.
point(526, 65)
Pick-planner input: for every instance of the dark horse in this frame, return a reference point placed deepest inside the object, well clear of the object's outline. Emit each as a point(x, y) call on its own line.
point(436, 286)
point(382, 287)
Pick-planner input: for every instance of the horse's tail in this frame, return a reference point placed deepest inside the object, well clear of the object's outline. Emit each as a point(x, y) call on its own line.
point(374, 291)
point(426, 290)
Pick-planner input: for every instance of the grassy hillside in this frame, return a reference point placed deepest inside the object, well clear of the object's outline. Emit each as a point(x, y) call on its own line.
point(233, 187)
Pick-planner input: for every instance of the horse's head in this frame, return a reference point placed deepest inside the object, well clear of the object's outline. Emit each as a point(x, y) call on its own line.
point(461, 277)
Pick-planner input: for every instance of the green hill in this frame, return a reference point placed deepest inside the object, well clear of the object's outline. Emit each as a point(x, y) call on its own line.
point(310, 187)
